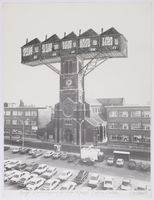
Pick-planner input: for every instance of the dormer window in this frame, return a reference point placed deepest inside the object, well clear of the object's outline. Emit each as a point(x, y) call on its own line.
point(56, 47)
point(84, 43)
point(46, 47)
point(36, 49)
point(27, 51)
point(94, 42)
point(67, 44)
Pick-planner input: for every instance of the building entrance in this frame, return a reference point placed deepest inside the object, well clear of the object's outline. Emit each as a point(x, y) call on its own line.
point(68, 136)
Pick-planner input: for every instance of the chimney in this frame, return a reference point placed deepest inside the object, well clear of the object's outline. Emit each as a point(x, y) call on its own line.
point(46, 37)
point(80, 32)
point(26, 40)
point(101, 30)
point(64, 34)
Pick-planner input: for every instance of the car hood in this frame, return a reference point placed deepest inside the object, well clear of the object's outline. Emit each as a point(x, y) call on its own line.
point(93, 181)
point(30, 187)
point(123, 187)
point(107, 185)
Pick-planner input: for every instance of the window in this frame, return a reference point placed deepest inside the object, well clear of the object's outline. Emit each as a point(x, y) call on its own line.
point(107, 41)
point(136, 114)
point(20, 113)
point(146, 114)
point(27, 113)
point(7, 112)
point(119, 138)
point(146, 126)
point(84, 43)
point(74, 44)
point(27, 51)
point(116, 41)
point(113, 125)
point(123, 113)
point(14, 121)
point(36, 49)
point(136, 126)
point(68, 121)
point(55, 46)
point(46, 47)
point(27, 122)
point(146, 139)
point(14, 113)
point(123, 126)
point(67, 44)
point(94, 42)
point(113, 114)
point(7, 121)
point(34, 113)
point(137, 138)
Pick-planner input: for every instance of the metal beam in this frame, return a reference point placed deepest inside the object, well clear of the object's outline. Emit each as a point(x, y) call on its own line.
point(49, 65)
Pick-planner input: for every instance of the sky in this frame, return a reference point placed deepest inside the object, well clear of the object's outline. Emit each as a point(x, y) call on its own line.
point(118, 77)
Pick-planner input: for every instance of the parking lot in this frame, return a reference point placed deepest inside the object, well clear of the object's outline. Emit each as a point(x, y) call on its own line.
point(100, 168)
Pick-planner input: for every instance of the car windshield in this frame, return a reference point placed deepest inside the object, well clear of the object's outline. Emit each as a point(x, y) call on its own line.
point(125, 183)
point(47, 184)
point(110, 159)
point(94, 178)
point(108, 182)
point(64, 173)
point(22, 179)
point(16, 176)
point(32, 183)
point(63, 188)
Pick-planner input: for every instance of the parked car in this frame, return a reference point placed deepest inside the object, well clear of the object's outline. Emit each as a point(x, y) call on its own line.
point(6, 162)
point(48, 154)
point(49, 173)
point(69, 186)
point(31, 151)
point(41, 169)
point(16, 176)
point(24, 150)
point(131, 164)
point(94, 180)
point(141, 187)
point(51, 184)
point(108, 183)
point(31, 166)
point(64, 156)
point(143, 166)
point(21, 166)
point(16, 150)
point(6, 147)
point(37, 153)
point(120, 162)
point(65, 175)
point(110, 161)
point(81, 177)
point(12, 164)
point(9, 174)
point(56, 155)
point(126, 184)
point(26, 179)
point(35, 183)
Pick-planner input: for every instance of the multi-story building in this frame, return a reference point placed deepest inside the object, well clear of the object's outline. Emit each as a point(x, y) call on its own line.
point(128, 125)
point(27, 119)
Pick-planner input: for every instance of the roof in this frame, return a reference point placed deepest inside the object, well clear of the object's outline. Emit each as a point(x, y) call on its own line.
point(70, 36)
point(93, 102)
point(53, 38)
point(32, 42)
point(130, 106)
point(110, 31)
point(89, 32)
point(111, 101)
point(95, 120)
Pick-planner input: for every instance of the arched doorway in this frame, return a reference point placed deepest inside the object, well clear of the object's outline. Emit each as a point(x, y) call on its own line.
point(68, 136)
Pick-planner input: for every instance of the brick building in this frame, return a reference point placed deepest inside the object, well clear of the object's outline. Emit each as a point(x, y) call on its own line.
point(129, 125)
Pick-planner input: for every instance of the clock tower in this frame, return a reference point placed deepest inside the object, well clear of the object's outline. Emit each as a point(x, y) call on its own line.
point(70, 111)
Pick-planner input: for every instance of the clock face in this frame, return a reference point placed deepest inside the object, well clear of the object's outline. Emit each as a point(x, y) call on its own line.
point(68, 82)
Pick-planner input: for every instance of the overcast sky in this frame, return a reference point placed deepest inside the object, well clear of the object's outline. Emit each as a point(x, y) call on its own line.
point(119, 77)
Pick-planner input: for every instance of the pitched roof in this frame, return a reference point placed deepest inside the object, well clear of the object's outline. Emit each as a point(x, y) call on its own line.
point(34, 41)
point(53, 38)
point(111, 101)
point(95, 120)
point(110, 31)
point(71, 35)
point(89, 32)
point(93, 102)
